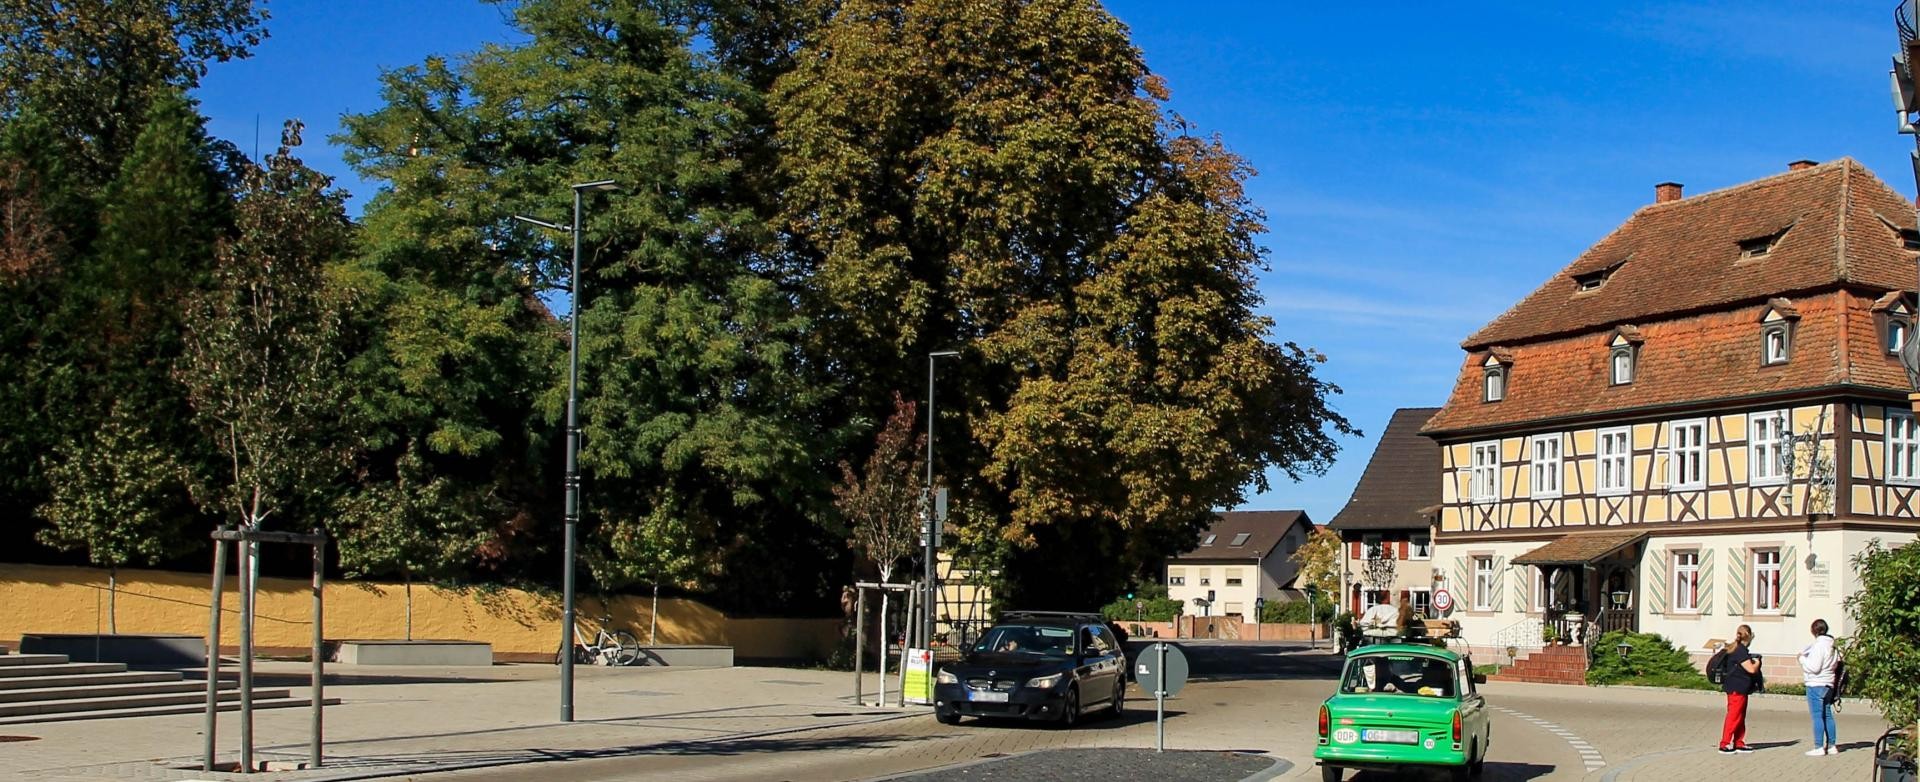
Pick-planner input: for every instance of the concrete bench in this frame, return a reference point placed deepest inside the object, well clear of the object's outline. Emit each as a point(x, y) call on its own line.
point(436, 652)
point(131, 649)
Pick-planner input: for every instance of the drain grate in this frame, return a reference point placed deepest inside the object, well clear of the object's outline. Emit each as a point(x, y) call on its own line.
point(5, 739)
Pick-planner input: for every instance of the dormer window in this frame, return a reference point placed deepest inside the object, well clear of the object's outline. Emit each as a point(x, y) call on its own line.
point(1894, 320)
point(1621, 362)
point(1896, 335)
point(1776, 331)
point(1774, 344)
point(1760, 245)
point(1209, 541)
point(1493, 386)
point(1592, 281)
point(1240, 539)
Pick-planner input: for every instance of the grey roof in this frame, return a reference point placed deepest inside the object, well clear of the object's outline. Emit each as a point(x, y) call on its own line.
point(1264, 530)
point(1402, 478)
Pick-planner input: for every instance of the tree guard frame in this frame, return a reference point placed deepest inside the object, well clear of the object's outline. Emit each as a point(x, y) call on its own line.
point(223, 536)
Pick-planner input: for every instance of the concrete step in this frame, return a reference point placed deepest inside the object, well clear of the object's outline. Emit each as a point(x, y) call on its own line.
point(32, 659)
point(61, 692)
point(29, 708)
point(62, 669)
point(199, 707)
point(87, 679)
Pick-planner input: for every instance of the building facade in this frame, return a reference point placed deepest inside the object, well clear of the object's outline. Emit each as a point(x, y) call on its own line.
point(1695, 425)
point(1386, 527)
point(1243, 557)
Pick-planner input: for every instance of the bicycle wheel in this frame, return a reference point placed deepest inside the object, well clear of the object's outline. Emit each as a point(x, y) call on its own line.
point(626, 648)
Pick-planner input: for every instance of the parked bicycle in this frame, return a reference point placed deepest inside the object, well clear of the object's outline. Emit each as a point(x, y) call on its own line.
point(606, 647)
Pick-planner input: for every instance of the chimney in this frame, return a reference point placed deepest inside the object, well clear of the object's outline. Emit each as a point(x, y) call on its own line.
point(1666, 191)
point(1799, 165)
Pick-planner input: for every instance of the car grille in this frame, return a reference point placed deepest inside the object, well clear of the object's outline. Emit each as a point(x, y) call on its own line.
point(1002, 685)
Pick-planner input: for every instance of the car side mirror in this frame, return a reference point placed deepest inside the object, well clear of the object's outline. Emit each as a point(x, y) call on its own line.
point(1479, 678)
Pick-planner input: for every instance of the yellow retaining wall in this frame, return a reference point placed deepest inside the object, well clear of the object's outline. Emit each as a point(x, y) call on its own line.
point(520, 625)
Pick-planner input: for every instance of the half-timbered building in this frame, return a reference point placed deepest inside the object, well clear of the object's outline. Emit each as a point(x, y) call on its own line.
point(1693, 425)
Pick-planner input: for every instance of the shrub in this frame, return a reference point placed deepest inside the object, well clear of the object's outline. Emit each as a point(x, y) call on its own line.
point(1158, 608)
point(1652, 660)
point(1297, 612)
point(1883, 664)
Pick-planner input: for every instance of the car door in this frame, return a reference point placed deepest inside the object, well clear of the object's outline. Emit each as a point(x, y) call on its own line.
point(1097, 665)
point(1474, 717)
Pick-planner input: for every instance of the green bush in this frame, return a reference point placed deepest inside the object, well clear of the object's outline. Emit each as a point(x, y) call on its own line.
point(1158, 608)
point(1883, 664)
point(1297, 612)
point(1653, 660)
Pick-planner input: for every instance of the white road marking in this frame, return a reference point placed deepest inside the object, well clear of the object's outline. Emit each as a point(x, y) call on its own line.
point(1589, 755)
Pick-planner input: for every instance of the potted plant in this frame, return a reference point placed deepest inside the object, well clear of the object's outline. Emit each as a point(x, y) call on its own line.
point(1549, 634)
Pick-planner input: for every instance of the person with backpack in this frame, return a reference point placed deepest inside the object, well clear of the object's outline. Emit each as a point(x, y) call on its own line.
point(1818, 663)
point(1741, 676)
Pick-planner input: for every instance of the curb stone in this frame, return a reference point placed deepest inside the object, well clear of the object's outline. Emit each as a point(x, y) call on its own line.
point(1275, 770)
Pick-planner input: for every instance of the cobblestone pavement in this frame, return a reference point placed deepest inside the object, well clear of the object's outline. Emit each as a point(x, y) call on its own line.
point(800, 725)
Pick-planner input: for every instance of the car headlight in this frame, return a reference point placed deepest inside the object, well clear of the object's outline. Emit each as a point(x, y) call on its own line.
point(946, 677)
point(1045, 682)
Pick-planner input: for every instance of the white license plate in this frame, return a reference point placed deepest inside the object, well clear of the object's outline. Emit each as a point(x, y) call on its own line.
point(987, 697)
point(1390, 736)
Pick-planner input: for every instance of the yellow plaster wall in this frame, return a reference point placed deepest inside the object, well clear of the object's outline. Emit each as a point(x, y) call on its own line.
point(43, 599)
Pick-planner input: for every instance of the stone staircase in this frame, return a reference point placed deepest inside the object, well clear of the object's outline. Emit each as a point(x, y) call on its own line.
point(49, 688)
point(1548, 665)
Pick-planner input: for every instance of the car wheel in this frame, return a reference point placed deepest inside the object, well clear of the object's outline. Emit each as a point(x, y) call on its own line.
point(947, 717)
point(1070, 711)
point(1479, 763)
point(1331, 774)
point(1119, 706)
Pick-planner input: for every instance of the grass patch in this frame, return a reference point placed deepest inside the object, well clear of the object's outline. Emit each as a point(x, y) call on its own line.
point(1788, 689)
point(1679, 681)
point(1487, 670)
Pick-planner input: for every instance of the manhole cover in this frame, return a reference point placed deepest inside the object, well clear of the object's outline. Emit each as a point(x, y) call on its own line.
point(4, 739)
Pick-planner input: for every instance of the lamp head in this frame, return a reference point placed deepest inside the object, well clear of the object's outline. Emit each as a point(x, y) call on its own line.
point(598, 186)
point(943, 353)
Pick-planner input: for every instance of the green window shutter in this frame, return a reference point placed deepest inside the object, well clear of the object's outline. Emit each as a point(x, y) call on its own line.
point(1709, 586)
point(1499, 565)
point(1520, 575)
point(1789, 570)
point(1462, 585)
point(1737, 580)
point(1657, 581)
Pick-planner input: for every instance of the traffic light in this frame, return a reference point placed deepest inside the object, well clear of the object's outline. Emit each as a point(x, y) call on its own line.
point(1129, 595)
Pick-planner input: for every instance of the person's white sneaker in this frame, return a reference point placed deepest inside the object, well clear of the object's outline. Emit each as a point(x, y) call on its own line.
point(1817, 752)
point(1832, 750)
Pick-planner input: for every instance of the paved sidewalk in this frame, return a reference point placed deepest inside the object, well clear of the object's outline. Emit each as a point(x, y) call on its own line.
point(395, 720)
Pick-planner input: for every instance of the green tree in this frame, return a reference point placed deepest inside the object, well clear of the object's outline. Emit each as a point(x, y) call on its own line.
point(262, 362)
point(1883, 665)
point(698, 404)
point(1319, 560)
point(93, 66)
point(1002, 175)
point(121, 497)
point(881, 503)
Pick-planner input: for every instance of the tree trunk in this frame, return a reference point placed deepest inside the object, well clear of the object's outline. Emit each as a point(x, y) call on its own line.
point(883, 644)
point(653, 619)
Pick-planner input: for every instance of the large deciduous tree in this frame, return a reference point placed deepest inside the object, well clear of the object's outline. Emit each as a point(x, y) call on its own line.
point(1003, 175)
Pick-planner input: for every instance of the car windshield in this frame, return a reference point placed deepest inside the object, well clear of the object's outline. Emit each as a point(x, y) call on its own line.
point(1038, 640)
point(1400, 674)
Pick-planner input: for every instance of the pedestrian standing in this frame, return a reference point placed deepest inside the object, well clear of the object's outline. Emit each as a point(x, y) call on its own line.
point(1742, 671)
point(1817, 664)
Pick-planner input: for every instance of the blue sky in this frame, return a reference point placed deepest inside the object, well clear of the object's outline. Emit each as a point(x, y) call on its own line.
point(1421, 167)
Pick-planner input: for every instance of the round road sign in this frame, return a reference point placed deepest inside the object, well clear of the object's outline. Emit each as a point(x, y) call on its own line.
point(1442, 601)
point(1147, 668)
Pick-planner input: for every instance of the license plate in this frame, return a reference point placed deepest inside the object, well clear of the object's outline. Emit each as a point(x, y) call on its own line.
point(987, 697)
point(1390, 736)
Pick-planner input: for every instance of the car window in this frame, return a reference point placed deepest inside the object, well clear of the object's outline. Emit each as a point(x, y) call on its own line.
point(1098, 641)
point(1037, 640)
point(1400, 674)
point(1466, 676)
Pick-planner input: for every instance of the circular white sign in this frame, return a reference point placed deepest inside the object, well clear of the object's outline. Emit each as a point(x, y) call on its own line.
point(1346, 735)
point(1442, 601)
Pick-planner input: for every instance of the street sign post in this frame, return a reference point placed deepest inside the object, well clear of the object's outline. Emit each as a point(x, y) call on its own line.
point(1164, 671)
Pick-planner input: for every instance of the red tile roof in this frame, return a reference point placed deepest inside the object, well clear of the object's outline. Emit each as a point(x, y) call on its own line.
point(1685, 255)
point(1264, 530)
point(1694, 303)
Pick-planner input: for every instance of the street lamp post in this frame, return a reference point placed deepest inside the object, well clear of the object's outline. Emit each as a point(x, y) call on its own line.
point(573, 441)
point(933, 545)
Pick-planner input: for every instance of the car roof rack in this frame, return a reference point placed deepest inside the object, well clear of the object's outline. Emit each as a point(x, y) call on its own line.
point(1055, 616)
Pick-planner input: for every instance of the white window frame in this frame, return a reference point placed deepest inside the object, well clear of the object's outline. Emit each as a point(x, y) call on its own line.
point(1693, 452)
point(1903, 448)
point(1494, 387)
point(1418, 550)
point(1177, 581)
point(1372, 597)
point(1766, 437)
point(1544, 465)
point(1896, 335)
point(1372, 546)
point(1686, 582)
point(1620, 367)
point(1485, 472)
point(1614, 459)
point(1235, 577)
point(1483, 581)
point(1773, 346)
point(1421, 599)
point(1766, 581)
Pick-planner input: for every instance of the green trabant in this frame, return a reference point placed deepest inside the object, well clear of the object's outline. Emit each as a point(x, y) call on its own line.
point(1402, 705)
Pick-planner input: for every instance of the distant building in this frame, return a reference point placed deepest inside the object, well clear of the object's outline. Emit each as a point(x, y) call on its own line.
point(1692, 426)
point(1243, 556)
point(1387, 525)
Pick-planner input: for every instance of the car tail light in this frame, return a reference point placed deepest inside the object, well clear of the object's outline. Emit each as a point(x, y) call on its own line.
point(1326, 718)
point(1456, 726)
